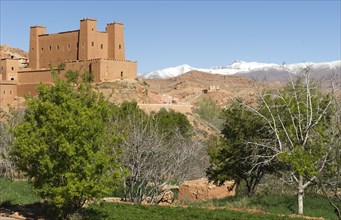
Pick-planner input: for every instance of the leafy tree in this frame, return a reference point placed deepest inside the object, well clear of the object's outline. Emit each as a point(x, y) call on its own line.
point(64, 145)
point(171, 122)
point(230, 155)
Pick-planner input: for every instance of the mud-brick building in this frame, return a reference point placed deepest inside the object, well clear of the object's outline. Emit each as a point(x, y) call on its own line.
point(86, 49)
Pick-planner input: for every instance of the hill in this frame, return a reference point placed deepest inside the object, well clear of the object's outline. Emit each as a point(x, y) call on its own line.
point(10, 52)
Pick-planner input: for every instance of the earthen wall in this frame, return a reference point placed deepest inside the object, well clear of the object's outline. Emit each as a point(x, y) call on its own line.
point(56, 48)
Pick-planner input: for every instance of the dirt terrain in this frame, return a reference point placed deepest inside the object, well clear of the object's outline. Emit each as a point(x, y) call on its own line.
point(8, 52)
point(189, 87)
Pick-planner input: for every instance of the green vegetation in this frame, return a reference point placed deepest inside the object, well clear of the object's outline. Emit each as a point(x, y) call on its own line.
point(21, 192)
point(66, 146)
point(229, 154)
point(208, 110)
point(17, 192)
point(72, 146)
point(171, 122)
point(128, 211)
point(288, 131)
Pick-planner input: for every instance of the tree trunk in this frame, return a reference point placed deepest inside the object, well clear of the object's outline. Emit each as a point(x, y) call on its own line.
point(300, 195)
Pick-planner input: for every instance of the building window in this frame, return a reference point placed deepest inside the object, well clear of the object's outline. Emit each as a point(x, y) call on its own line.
point(57, 47)
point(121, 73)
point(12, 68)
point(92, 29)
point(10, 92)
point(4, 92)
point(68, 46)
point(92, 43)
point(101, 46)
point(119, 46)
point(12, 78)
point(50, 48)
point(42, 49)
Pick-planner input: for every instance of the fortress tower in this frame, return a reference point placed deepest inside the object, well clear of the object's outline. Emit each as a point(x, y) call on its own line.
point(33, 54)
point(115, 41)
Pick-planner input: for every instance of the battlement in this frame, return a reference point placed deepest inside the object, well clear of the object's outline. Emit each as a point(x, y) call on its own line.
point(37, 26)
point(88, 19)
point(113, 23)
point(96, 59)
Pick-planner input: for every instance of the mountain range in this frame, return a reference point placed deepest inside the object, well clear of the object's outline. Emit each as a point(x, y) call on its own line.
point(255, 70)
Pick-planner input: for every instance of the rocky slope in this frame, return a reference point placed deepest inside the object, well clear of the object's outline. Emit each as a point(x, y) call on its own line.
point(10, 52)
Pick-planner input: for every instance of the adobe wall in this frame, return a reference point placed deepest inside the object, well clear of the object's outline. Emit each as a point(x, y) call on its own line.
point(117, 69)
point(27, 89)
point(34, 76)
point(56, 48)
point(85, 65)
point(9, 69)
point(8, 92)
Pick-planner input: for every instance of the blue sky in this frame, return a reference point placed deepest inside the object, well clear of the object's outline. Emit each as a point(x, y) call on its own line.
point(160, 34)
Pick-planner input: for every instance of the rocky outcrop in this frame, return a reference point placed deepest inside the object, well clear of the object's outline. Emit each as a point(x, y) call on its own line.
point(202, 190)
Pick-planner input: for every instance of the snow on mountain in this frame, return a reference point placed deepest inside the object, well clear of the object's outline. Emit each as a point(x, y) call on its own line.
point(247, 68)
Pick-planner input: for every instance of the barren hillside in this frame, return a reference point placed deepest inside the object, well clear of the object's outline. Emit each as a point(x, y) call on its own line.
point(190, 87)
point(8, 52)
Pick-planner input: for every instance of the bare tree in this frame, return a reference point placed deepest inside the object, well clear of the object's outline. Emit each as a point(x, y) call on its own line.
point(153, 159)
point(297, 117)
point(8, 120)
point(329, 179)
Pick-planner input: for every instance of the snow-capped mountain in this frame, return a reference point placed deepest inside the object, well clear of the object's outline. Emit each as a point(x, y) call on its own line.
point(251, 69)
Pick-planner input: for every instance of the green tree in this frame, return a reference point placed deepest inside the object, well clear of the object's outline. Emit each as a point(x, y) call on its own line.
point(64, 144)
point(171, 122)
point(231, 154)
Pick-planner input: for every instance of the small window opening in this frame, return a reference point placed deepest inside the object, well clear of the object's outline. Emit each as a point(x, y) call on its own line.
point(12, 57)
point(121, 73)
point(10, 92)
point(50, 48)
point(12, 68)
point(12, 78)
point(119, 46)
point(4, 92)
point(68, 46)
point(32, 49)
point(101, 46)
point(92, 43)
point(42, 49)
point(92, 29)
point(57, 47)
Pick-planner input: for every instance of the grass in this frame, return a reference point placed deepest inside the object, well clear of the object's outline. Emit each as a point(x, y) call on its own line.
point(315, 206)
point(151, 212)
point(18, 195)
point(17, 192)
